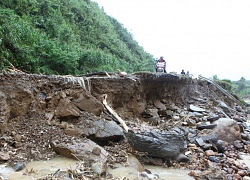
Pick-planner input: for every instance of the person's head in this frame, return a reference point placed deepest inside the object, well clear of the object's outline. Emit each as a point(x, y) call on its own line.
point(161, 57)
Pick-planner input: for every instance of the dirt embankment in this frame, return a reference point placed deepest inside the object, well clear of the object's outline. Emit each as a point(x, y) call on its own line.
point(36, 110)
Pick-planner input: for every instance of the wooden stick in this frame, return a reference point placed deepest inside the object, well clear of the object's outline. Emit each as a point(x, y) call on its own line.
point(104, 101)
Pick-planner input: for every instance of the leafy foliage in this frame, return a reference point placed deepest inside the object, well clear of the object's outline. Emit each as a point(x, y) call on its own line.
point(66, 37)
point(240, 88)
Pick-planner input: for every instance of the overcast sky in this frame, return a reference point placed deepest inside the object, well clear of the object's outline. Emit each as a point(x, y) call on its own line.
point(207, 37)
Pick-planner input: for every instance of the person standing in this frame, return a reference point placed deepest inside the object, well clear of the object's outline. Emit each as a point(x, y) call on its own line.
point(183, 72)
point(161, 63)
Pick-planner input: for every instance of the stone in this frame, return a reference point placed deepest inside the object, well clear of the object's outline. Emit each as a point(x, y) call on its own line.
point(159, 105)
point(206, 126)
point(196, 109)
point(220, 145)
point(96, 151)
point(200, 142)
point(149, 176)
point(162, 145)
point(86, 102)
point(99, 168)
point(4, 156)
point(238, 145)
point(169, 112)
point(151, 116)
point(182, 158)
point(135, 163)
point(191, 122)
point(197, 114)
point(17, 166)
point(66, 109)
point(102, 131)
point(213, 159)
point(227, 130)
point(83, 150)
point(213, 117)
point(209, 153)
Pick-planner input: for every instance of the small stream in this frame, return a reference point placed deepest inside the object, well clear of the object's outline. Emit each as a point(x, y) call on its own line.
point(43, 168)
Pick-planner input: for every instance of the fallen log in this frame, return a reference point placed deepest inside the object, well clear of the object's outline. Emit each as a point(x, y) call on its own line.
point(104, 101)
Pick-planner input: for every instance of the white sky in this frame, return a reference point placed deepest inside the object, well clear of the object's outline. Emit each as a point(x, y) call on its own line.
point(207, 37)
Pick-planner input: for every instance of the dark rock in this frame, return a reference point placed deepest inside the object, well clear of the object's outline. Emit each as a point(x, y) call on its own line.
point(200, 142)
point(238, 145)
point(209, 126)
point(207, 146)
point(213, 159)
point(162, 145)
point(102, 131)
point(182, 158)
point(17, 166)
point(245, 136)
point(213, 117)
point(219, 145)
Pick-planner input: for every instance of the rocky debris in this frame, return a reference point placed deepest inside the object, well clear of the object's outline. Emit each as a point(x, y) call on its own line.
point(174, 121)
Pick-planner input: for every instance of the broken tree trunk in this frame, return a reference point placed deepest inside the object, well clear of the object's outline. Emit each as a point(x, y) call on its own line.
point(104, 101)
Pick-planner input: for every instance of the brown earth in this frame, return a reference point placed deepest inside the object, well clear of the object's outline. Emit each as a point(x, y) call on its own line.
point(37, 110)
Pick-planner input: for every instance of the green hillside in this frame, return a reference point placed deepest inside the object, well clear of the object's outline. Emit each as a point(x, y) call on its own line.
point(66, 37)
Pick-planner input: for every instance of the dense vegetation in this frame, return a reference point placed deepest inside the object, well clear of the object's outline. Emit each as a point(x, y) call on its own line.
point(66, 37)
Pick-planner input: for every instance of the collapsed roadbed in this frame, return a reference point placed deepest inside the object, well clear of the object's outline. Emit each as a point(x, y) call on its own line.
point(172, 120)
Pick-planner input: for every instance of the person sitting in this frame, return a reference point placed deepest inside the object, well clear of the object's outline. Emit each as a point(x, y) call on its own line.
point(183, 72)
point(161, 63)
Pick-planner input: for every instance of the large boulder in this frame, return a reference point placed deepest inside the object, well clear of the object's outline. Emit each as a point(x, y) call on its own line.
point(227, 130)
point(165, 145)
point(86, 102)
point(66, 109)
point(84, 150)
point(102, 131)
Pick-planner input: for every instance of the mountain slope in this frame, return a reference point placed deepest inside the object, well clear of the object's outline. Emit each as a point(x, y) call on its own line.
point(66, 37)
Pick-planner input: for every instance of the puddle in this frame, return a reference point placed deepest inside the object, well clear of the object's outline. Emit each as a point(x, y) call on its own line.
point(164, 173)
point(40, 168)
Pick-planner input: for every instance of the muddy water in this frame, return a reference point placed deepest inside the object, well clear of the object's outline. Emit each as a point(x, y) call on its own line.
point(42, 168)
point(39, 168)
point(131, 173)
